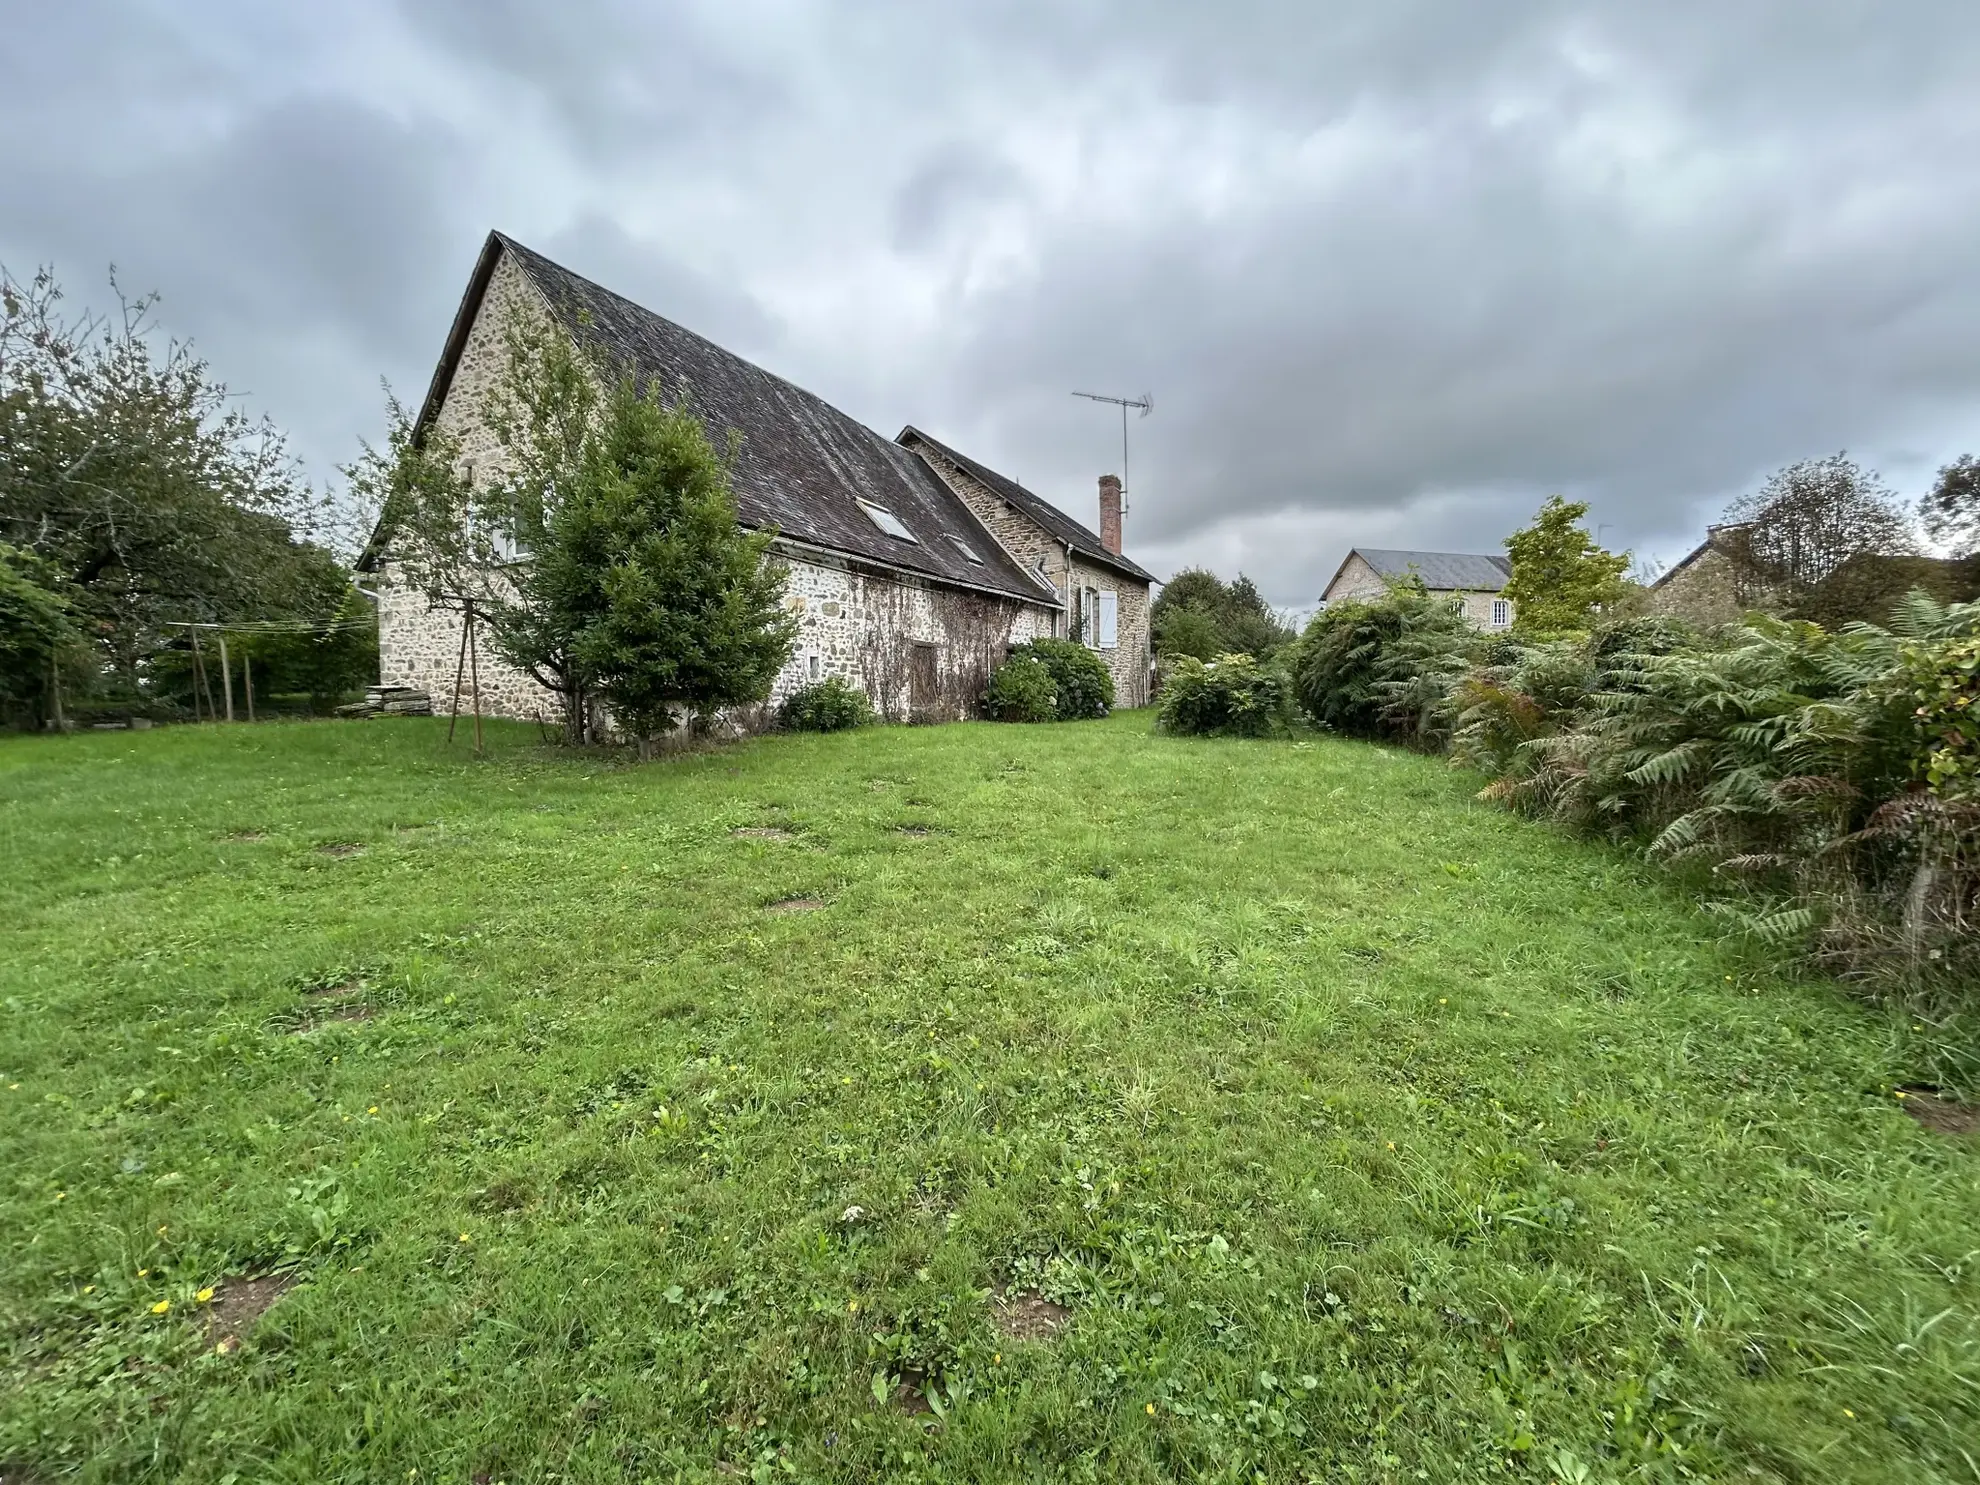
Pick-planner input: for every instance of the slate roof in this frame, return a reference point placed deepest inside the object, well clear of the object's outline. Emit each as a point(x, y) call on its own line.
point(802, 466)
point(1440, 571)
point(1056, 522)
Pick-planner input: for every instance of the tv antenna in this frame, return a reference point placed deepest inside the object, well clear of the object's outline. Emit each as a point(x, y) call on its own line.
point(1146, 402)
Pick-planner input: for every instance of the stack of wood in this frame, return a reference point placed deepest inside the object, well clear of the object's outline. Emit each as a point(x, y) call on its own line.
point(390, 701)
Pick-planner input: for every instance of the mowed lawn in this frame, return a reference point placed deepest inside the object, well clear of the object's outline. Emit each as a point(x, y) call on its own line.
point(1362, 1131)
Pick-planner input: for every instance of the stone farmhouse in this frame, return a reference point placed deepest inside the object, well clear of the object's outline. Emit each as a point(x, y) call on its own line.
point(1474, 584)
point(913, 569)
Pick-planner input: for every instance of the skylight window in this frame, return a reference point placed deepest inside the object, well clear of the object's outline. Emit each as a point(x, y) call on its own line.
point(886, 520)
point(966, 549)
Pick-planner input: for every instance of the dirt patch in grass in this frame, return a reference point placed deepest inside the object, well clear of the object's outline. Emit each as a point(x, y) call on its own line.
point(341, 848)
point(240, 835)
point(1940, 1115)
point(238, 1303)
point(304, 1023)
point(910, 1393)
point(914, 830)
point(1027, 1315)
point(333, 989)
point(762, 832)
point(793, 905)
point(17, 1474)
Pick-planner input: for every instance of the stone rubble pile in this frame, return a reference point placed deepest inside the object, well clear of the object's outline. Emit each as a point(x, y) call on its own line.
point(390, 701)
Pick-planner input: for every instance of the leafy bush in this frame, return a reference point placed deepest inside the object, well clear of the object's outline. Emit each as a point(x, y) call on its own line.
point(1197, 613)
point(830, 705)
point(1828, 779)
point(1232, 696)
point(1386, 668)
point(1080, 678)
point(1021, 690)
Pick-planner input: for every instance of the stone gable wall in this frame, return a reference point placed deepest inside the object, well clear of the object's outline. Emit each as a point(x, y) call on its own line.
point(1703, 592)
point(1028, 543)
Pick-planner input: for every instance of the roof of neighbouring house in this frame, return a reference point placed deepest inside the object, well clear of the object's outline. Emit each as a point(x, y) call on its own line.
point(801, 465)
point(1465, 572)
point(1057, 524)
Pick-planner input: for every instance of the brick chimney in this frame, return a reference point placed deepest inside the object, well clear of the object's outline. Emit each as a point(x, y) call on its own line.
point(1110, 513)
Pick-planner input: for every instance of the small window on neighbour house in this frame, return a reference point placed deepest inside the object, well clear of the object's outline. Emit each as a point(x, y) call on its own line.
point(969, 552)
point(1457, 603)
point(1501, 612)
point(817, 667)
point(887, 521)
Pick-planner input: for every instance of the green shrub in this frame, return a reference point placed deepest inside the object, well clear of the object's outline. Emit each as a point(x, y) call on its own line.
point(1386, 668)
point(830, 705)
point(1232, 696)
point(1080, 678)
point(1021, 690)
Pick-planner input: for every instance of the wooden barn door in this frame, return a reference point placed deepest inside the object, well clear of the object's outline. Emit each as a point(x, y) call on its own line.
point(924, 683)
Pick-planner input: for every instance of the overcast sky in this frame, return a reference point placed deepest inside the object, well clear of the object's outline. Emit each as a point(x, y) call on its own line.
point(1393, 270)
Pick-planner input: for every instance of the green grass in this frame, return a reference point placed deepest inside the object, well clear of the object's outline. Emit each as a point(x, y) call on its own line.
point(1368, 1132)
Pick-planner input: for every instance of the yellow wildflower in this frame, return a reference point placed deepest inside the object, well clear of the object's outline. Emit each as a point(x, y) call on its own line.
point(465, 1238)
point(205, 1296)
point(1151, 1410)
point(161, 1307)
point(372, 1110)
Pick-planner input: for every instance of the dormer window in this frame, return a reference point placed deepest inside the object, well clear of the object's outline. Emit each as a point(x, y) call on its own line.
point(886, 520)
point(969, 552)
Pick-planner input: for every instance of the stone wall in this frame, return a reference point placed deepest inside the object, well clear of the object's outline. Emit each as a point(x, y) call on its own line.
point(860, 626)
point(864, 626)
point(1701, 590)
point(1035, 550)
point(1128, 659)
point(420, 645)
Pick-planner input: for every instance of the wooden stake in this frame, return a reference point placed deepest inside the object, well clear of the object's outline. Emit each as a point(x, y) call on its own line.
point(226, 675)
point(460, 669)
point(474, 677)
point(55, 685)
point(199, 678)
point(247, 676)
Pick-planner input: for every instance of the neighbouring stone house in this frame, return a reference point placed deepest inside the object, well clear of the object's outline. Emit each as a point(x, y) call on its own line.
point(908, 579)
point(1704, 586)
point(1474, 584)
point(1719, 580)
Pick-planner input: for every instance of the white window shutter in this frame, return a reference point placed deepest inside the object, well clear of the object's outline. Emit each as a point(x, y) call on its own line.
point(1109, 619)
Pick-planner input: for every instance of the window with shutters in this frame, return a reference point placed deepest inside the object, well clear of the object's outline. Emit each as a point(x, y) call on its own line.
point(1108, 616)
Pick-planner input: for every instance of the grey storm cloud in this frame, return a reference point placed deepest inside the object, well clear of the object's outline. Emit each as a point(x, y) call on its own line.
point(1392, 271)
